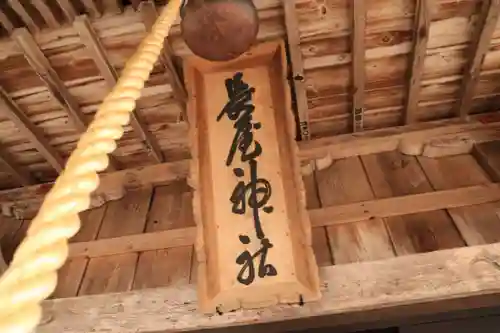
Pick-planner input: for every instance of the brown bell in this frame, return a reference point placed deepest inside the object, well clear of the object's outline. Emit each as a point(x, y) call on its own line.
point(219, 30)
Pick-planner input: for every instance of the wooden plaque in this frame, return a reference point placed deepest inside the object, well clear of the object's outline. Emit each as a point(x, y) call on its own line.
point(254, 235)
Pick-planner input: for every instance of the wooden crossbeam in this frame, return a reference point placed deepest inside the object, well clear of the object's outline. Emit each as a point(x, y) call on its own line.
point(22, 122)
point(114, 6)
point(46, 13)
point(24, 15)
point(91, 41)
point(92, 8)
point(68, 9)
point(481, 39)
point(334, 215)
point(297, 67)
point(358, 64)
point(394, 289)
point(10, 166)
point(6, 22)
point(149, 16)
point(420, 37)
point(24, 202)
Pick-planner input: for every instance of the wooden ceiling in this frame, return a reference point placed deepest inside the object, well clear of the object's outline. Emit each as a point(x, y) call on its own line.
point(408, 61)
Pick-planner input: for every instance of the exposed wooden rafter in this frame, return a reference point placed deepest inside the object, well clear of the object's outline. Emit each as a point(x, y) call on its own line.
point(481, 39)
point(8, 164)
point(91, 41)
point(22, 122)
point(6, 22)
point(149, 15)
point(54, 84)
point(420, 38)
point(297, 67)
point(23, 14)
point(46, 13)
point(68, 9)
point(92, 8)
point(358, 63)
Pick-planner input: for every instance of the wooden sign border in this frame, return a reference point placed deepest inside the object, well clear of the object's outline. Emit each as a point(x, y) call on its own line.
point(208, 286)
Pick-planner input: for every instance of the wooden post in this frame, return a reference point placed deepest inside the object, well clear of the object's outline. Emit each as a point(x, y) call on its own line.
point(254, 235)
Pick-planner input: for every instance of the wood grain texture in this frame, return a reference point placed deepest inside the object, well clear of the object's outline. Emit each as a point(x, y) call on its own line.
point(395, 174)
point(346, 182)
point(479, 224)
point(410, 281)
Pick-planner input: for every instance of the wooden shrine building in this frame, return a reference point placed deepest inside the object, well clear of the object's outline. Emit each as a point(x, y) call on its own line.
point(344, 172)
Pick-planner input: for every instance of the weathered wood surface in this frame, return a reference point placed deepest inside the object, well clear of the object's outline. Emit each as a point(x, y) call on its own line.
point(349, 291)
point(256, 249)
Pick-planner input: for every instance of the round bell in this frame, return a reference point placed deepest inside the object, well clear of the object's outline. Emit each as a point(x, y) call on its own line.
point(219, 30)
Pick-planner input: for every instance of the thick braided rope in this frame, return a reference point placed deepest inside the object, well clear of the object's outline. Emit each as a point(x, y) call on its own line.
point(32, 275)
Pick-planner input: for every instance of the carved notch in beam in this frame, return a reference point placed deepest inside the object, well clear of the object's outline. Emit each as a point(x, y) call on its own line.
point(254, 235)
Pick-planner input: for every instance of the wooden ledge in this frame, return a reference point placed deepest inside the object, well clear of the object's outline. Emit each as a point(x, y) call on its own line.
point(348, 213)
point(350, 294)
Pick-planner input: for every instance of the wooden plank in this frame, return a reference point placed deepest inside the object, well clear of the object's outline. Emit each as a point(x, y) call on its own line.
point(478, 129)
point(112, 6)
point(296, 72)
point(287, 269)
point(393, 174)
point(10, 166)
point(22, 122)
point(358, 64)
point(487, 21)
point(488, 156)
point(24, 202)
point(92, 8)
point(46, 13)
point(91, 41)
point(116, 273)
point(177, 235)
point(149, 16)
point(479, 224)
point(24, 15)
point(170, 211)
point(345, 182)
point(6, 22)
point(68, 9)
point(398, 287)
point(420, 39)
point(56, 87)
point(70, 276)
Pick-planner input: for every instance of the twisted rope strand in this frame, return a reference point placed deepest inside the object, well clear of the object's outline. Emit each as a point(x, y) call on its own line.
point(32, 275)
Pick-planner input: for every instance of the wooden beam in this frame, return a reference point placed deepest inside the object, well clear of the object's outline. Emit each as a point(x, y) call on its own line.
point(477, 129)
point(68, 9)
point(352, 293)
point(23, 14)
point(420, 37)
point(9, 165)
point(24, 202)
point(358, 64)
point(89, 38)
point(46, 13)
point(54, 84)
point(6, 22)
point(92, 8)
point(112, 6)
point(297, 68)
point(488, 156)
point(43, 68)
point(22, 122)
point(149, 16)
point(481, 39)
point(334, 215)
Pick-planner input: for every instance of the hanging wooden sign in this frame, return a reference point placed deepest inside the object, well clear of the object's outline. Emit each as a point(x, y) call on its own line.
point(254, 235)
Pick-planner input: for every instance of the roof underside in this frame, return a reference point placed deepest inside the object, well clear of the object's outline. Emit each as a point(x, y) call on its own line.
point(53, 81)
